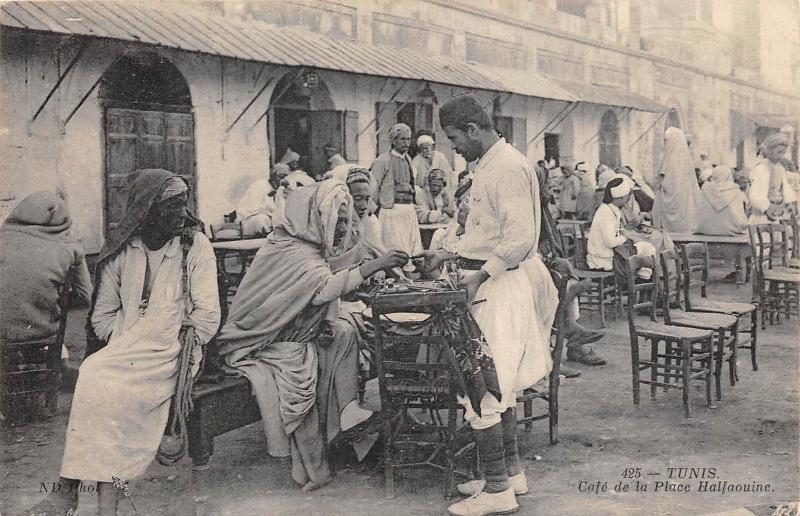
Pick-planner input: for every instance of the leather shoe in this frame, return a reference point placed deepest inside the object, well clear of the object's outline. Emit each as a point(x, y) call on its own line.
point(577, 335)
point(569, 372)
point(484, 503)
point(585, 356)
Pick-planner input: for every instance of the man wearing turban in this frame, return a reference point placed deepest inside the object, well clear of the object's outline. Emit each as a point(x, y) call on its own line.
point(393, 191)
point(771, 194)
point(430, 159)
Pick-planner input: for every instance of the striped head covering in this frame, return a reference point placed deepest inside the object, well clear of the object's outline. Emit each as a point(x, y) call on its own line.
point(357, 175)
point(437, 173)
point(174, 186)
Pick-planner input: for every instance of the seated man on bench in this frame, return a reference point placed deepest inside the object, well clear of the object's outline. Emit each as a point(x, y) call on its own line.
point(284, 334)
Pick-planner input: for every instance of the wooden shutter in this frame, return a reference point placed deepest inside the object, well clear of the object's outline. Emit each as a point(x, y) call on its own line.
point(385, 118)
point(519, 128)
point(179, 153)
point(326, 126)
point(443, 142)
point(121, 137)
point(151, 150)
point(350, 149)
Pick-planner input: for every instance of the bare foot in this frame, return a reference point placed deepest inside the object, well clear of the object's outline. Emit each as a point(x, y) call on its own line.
point(311, 485)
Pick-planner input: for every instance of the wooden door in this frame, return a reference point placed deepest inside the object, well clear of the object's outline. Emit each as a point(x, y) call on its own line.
point(137, 139)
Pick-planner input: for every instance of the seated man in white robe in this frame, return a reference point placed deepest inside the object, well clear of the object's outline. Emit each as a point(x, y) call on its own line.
point(255, 208)
point(434, 204)
point(139, 312)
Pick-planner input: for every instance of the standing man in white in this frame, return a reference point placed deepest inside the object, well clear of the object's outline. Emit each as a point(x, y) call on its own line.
point(393, 191)
point(514, 297)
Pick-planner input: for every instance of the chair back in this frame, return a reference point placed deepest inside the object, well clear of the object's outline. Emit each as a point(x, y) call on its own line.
point(642, 294)
point(226, 231)
point(764, 247)
point(782, 243)
point(795, 230)
point(695, 261)
point(402, 379)
point(581, 245)
point(31, 367)
point(559, 324)
point(568, 240)
point(672, 280)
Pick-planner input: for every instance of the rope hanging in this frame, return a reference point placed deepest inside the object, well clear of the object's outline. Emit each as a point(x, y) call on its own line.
point(182, 403)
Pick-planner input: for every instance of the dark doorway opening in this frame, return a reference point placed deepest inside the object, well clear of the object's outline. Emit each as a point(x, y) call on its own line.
point(148, 123)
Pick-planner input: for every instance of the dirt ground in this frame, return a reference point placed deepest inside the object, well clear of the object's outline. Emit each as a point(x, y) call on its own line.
point(750, 438)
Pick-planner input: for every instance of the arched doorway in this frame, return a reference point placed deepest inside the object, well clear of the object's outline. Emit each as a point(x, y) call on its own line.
point(609, 140)
point(303, 117)
point(148, 123)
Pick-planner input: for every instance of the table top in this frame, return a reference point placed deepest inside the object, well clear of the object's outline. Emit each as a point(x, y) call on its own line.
point(248, 244)
point(571, 221)
point(710, 239)
point(433, 227)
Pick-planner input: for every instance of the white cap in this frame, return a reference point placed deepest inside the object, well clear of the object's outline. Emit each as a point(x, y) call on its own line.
point(424, 138)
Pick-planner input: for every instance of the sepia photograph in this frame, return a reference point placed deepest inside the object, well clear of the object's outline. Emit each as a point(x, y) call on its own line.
point(399, 257)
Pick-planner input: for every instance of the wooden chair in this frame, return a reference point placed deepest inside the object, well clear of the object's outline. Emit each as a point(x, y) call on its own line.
point(775, 285)
point(680, 353)
point(695, 260)
point(231, 265)
point(556, 349)
point(725, 327)
point(604, 290)
point(405, 383)
point(32, 368)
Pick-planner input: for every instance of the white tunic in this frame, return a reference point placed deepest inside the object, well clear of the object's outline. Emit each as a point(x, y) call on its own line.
point(520, 298)
point(121, 402)
point(604, 236)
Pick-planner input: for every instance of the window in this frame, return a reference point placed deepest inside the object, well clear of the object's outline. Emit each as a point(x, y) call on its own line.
point(609, 140)
point(574, 7)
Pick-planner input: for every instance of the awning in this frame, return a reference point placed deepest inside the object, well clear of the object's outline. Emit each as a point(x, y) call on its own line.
point(770, 120)
point(607, 96)
point(197, 31)
point(524, 82)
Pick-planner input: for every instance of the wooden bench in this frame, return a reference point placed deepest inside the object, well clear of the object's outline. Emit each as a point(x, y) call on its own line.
point(736, 248)
point(220, 405)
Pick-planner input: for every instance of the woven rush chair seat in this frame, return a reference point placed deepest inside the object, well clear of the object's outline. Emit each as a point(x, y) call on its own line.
point(782, 274)
point(703, 320)
point(723, 307)
point(655, 329)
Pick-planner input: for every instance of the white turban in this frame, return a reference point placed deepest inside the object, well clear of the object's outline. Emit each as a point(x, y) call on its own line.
point(397, 130)
point(621, 190)
point(424, 138)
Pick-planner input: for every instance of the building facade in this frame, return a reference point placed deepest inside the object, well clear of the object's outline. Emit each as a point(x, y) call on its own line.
point(217, 91)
